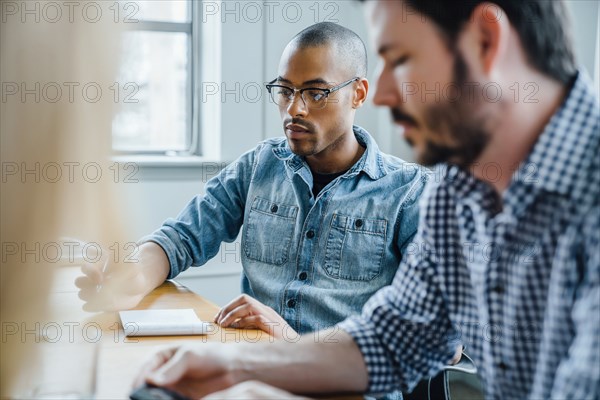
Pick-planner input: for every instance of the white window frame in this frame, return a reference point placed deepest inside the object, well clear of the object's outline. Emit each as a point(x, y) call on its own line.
point(203, 135)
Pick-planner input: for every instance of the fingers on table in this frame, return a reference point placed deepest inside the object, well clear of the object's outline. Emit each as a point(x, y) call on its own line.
point(242, 311)
point(254, 322)
point(233, 304)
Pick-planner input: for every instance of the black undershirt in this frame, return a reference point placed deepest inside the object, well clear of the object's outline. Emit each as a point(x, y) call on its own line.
point(322, 180)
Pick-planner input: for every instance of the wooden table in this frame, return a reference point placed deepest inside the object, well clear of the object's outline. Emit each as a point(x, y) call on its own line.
point(117, 359)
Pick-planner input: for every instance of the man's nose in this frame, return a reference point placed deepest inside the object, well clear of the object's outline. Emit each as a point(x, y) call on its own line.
point(386, 89)
point(297, 106)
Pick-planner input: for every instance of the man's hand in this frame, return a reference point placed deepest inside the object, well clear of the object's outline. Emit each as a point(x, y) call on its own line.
point(106, 286)
point(193, 370)
point(247, 312)
point(457, 355)
point(253, 390)
point(109, 286)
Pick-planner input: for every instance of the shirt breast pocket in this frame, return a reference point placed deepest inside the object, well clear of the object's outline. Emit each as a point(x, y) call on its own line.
point(355, 248)
point(269, 231)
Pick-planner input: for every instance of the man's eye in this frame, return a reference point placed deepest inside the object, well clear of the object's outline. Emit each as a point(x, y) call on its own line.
point(284, 92)
point(400, 61)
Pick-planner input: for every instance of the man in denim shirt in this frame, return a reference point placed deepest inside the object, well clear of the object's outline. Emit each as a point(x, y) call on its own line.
point(325, 215)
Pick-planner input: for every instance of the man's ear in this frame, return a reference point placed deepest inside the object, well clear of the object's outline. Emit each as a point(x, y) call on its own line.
point(360, 93)
point(489, 32)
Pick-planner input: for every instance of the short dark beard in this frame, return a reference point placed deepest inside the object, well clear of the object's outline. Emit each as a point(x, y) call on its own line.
point(455, 120)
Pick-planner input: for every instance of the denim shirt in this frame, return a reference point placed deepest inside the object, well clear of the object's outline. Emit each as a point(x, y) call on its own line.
point(317, 260)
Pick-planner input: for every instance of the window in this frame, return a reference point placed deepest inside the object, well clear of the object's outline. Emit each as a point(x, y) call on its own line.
point(156, 79)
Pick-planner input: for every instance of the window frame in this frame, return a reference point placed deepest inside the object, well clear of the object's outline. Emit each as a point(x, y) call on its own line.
point(193, 29)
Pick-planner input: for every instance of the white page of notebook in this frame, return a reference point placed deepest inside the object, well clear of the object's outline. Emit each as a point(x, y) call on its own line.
point(162, 322)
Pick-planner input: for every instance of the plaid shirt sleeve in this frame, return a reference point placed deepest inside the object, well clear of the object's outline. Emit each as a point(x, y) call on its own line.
point(405, 333)
point(578, 374)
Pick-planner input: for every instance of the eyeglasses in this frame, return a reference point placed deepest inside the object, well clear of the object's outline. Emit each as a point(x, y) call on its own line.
point(313, 98)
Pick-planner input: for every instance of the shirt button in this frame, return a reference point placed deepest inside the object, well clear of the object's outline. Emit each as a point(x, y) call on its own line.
point(274, 208)
point(502, 366)
point(303, 276)
point(358, 223)
point(291, 303)
point(310, 234)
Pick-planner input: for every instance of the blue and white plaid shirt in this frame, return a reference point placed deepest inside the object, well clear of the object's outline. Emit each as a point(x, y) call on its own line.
point(516, 279)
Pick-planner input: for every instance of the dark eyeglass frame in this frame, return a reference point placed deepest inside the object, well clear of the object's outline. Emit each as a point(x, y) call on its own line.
point(326, 92)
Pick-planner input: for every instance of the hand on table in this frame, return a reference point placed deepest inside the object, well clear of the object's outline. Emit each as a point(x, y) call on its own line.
point(247, 312)
point(194, 370)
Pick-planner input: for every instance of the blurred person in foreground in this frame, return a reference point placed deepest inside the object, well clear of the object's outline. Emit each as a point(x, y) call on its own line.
point(38, 210)
point(509, 262)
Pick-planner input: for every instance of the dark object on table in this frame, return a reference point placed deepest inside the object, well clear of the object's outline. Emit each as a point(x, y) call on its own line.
point(149, 392)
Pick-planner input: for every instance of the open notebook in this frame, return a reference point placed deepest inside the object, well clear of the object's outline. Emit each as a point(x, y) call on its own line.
point(162, 322)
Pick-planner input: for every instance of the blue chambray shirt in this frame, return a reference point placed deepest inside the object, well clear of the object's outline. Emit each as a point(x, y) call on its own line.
point(313, 260)
point(516, 279)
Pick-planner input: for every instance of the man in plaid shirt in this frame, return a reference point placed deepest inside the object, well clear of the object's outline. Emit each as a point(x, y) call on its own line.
point(507, 256)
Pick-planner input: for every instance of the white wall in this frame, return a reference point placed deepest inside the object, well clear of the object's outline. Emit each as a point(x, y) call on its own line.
point(585, 15)
point(251, 48)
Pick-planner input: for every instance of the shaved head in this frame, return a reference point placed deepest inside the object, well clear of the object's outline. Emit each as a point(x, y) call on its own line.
point(350, 48)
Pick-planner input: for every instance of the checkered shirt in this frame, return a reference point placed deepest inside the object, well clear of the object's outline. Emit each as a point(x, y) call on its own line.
point(515, 278)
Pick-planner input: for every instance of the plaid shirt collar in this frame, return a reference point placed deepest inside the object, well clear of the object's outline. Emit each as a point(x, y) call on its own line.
point(555, 159)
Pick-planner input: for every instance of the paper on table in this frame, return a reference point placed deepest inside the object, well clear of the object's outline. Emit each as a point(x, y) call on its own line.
point(162, 322)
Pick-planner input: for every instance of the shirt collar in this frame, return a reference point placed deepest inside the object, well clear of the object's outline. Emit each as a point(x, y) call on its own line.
point(466, 187)
point(371, 161)
point(566, 145)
